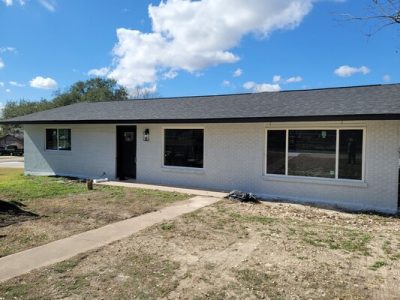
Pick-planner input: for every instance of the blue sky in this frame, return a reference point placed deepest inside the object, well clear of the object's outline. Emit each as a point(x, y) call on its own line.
point(194, 48)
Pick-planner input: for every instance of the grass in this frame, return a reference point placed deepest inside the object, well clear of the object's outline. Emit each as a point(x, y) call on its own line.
point(333, 237)
point(252, 219)
point(233, 251)
point(167, 226)
point(253, 277)
point(377, 265)
point(59, 207)
point(139, 276)
point(15, 186)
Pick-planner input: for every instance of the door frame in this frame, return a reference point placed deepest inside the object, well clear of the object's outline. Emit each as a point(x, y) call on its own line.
point(118, 168)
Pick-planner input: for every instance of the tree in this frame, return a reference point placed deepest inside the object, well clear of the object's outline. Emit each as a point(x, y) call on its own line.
point(383, 13)
point(92, 90)
point(14, 109)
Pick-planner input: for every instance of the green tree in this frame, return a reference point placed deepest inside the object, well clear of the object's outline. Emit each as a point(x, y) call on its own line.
point(92, 90)
point(14, 109)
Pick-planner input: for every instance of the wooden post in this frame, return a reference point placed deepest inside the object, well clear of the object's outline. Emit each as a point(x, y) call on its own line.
point(89, 184)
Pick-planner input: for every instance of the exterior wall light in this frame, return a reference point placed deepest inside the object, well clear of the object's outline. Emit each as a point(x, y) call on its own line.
point(146, 135)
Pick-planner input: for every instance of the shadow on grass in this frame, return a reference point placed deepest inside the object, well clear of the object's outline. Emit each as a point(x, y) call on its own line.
point(12, 212)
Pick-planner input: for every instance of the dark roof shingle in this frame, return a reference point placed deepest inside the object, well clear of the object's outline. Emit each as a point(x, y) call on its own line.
point(349, 103)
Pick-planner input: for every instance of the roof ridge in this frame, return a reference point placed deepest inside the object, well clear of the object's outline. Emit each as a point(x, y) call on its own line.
point(249, 94)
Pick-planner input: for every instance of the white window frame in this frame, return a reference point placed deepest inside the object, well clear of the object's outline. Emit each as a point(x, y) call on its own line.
point(189, 169)
point(338, 129)
point(58, 140)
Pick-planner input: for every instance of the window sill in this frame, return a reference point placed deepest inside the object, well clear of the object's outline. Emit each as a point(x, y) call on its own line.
point(315, 180)
point(185, 170)
point(58, 152)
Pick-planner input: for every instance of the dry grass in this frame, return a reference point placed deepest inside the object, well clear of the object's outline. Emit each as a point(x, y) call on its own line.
point(47, 209)
point(235, 251)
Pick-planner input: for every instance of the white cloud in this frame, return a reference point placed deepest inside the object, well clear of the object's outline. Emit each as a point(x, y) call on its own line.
point(386, 78)
point(50, 5)
point(182, 40)
point(1, 84)
point(2, 65)
point(11, 2)
point(8, 2)
point(280, 79)
point(17, 84)
point(40, 82)
point(261, 87)
point(276, 78)
point(99, 72)
point(347, 71)
point(171, 74)
point(226, 83)
point(7, 49)
point(238, 73)
point(294, 79)
point(8, 91)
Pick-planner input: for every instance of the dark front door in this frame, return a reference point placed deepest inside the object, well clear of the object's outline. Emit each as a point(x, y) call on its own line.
point(126, 152)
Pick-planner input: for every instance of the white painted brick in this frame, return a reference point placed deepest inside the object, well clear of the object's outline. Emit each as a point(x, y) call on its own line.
point(234, 159)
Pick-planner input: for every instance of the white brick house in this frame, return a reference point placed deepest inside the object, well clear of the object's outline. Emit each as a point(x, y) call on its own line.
point(338, 146)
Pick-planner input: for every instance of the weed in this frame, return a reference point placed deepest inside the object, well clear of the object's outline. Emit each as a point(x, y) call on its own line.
point(167, 226)
point(377, 265)
point(333, 237)
point(252, 219)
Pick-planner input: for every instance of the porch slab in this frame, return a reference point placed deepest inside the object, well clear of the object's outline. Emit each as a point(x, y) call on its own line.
point(23, 262)
point(195, 192)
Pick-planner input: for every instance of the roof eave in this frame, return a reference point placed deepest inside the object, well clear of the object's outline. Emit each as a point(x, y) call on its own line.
point(215, 120)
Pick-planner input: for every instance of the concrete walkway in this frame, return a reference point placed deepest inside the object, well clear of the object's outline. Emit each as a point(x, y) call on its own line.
point(28, 260)
point(132, 184)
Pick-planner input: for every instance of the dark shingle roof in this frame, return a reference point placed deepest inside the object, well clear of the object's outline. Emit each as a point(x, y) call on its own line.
point(349, 103)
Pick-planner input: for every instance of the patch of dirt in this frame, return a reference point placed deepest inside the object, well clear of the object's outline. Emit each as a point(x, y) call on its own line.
point(40, 221)
point(235, 251)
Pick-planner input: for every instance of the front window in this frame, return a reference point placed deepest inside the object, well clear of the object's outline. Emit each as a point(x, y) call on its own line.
point(315, 153)
point(58, 139)
point(312, 153)
point(184, 148)
point(350, 154)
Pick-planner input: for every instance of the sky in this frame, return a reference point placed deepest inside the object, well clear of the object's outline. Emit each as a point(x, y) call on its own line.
point(183, 47)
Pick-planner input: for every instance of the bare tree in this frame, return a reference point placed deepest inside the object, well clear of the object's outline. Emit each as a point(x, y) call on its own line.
point(382, 13)
point(144, 93)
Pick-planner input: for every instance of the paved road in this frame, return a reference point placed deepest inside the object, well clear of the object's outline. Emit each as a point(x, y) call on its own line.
point(12, 162)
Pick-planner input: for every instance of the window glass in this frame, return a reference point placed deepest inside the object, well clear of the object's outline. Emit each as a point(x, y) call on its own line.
point(129, 136)
point(276, 152)
point(183, 147)
point(350, 154)
point(312, 153)
point(51, 139)
point(64, 139)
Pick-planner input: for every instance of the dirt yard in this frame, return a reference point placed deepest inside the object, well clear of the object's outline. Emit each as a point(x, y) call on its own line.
point(38, 210)
point(235, 251)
